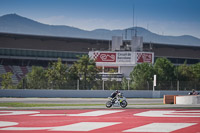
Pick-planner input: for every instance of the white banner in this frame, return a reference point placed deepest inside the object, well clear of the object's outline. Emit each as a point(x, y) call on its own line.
point(124, 57)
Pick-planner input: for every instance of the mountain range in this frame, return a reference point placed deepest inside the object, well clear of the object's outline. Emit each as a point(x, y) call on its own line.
point(13, 23)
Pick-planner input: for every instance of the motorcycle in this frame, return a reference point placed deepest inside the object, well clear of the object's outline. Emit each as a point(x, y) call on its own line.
point(118, 101)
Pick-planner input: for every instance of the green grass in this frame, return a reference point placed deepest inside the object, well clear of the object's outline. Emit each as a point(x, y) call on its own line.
point(13, 104)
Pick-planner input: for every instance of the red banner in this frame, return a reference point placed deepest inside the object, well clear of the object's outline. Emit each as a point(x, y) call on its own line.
point(105, 57)
point(144, 57)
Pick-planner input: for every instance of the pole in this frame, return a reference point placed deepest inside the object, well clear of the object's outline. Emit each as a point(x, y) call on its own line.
point(154, 82)
point(178, 85)
point(103, 85)
point(77, 84)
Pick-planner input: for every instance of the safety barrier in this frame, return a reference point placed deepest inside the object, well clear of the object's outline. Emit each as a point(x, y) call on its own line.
point(190, 99)
point(85, 93)
point(169, 99)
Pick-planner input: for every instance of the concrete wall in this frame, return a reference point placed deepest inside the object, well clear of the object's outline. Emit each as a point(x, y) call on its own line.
point(191, 99)
point(85, 93)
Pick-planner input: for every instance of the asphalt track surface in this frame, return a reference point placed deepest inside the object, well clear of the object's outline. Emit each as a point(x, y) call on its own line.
point(132, 103)
point(100, 121)
point(79, 100)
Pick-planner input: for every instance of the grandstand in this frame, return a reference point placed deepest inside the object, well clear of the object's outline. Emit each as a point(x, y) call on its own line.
point(19, 52)
point(177, 54)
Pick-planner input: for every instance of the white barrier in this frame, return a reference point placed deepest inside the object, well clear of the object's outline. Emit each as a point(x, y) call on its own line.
point(191, 99)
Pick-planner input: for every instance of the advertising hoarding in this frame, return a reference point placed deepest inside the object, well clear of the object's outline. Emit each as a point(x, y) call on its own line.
point(104, 57)
point(122, 57)
point(144, 57)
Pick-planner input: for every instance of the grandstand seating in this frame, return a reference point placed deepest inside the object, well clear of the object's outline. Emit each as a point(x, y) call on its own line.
point(2, 70)
point(24, 70)
point(18, 71)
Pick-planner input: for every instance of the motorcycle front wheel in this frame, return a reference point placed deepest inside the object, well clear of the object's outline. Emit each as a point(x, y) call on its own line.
point(108, 104)
point(123, 104)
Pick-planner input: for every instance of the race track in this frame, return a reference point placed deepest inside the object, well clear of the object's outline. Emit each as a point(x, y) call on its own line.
point(79, 100)
point(100, 121)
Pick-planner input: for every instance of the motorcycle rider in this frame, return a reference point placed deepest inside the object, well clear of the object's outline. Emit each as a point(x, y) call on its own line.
point(116, 99)
point(113, 96)
point(193, 92)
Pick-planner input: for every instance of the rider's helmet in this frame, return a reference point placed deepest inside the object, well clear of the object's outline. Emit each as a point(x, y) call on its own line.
point(116, 91)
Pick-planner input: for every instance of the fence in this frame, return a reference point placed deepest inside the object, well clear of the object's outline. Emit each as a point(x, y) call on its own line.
point(112, 85)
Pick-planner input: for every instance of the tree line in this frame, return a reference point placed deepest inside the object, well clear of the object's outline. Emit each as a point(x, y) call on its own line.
point(56, 76)
point(61, 76)
point(166, 72)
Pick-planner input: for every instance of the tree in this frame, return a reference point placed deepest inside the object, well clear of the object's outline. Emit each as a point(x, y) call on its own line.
point(195, 68)
point(73, 77)
point(141, 76)
point(164, 70)
point(36, 79)
point(189, 76)
point(56, 75)
point(87, 69)
point(185, 73)
point(124, 83)
point(73, 73)
point(6, 82)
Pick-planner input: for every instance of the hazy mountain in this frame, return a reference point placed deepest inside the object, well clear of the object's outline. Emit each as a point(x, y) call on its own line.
point(13, 23)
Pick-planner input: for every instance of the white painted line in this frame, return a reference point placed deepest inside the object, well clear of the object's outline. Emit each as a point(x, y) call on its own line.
point(160, 127)
point(84, 126)
point(91, 113)
point(3, 107)
point(25, 128)
point(17, 112)
point(187, 113)
point(7, 123)
point(153, 113)
point(49, 115)
point(97, 113)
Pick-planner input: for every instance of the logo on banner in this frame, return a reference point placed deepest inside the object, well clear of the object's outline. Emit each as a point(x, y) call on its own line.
point(105, 57)
point(144, 57)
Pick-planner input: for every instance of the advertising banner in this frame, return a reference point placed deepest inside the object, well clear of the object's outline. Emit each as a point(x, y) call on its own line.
point(144, 57)
point(124, 57)
point(104, 57)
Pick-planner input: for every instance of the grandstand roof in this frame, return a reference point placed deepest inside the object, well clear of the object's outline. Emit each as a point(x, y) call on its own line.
point(13, 40)
point(68, 44)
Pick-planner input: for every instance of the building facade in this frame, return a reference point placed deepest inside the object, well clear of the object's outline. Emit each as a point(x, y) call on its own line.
point(19, 52)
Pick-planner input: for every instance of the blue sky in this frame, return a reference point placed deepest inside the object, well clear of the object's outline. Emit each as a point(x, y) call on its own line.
point(165, 17)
